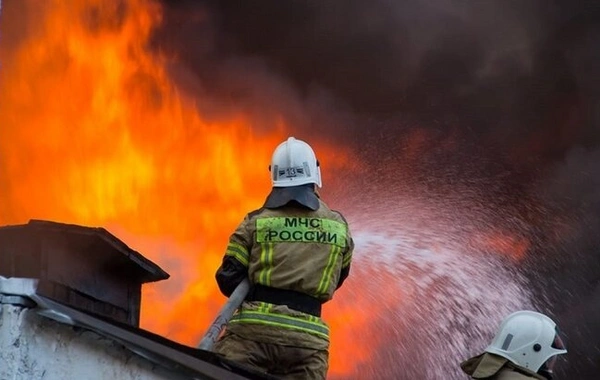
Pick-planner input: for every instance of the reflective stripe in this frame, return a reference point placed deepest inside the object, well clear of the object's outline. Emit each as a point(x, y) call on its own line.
point(239, 252)
point(284, 321)
point(326, 277)
point(297, 229)
point(266, 259)
point(347, 259)
point(264, 307)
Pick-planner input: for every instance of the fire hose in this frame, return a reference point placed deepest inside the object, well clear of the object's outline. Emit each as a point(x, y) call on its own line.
point(215, 329)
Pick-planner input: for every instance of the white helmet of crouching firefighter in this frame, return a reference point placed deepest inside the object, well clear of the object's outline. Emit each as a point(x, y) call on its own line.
point(528, 339)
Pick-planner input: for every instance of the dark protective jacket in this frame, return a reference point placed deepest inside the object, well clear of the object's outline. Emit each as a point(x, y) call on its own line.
point(494, 367)
point(295, 256)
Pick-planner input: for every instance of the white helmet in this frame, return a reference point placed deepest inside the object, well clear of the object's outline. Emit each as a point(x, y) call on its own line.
point(528, 339)
point(294, 163)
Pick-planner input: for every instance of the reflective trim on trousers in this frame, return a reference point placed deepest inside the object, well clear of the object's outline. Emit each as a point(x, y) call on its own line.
point(285, 321)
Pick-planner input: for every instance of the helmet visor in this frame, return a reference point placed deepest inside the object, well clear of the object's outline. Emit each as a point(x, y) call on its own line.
point(557, 344)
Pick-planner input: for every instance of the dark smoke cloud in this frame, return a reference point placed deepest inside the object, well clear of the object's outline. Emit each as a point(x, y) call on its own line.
point(567, 269)
point(492, 103)
point(509, 69)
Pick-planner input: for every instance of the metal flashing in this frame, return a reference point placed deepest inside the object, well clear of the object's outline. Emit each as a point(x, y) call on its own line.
point(16, 300)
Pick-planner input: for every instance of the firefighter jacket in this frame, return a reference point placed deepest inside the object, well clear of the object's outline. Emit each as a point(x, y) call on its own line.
point(494, 367)
point(295, 257)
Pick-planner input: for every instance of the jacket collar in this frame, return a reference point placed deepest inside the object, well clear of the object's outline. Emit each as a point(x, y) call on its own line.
point(487, 365)
point(305, 195)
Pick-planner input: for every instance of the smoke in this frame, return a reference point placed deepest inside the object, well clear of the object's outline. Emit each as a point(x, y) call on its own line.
point(505, 71)
point(487, 109)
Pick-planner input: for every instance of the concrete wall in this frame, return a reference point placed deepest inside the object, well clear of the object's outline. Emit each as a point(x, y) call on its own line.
point(34, 347)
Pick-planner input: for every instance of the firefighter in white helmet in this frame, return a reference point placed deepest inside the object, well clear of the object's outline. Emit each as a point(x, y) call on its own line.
point(526, 346)
point(296, 252)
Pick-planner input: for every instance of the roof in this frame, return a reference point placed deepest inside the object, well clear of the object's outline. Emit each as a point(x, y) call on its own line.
point(116, 250)
point(195, 363)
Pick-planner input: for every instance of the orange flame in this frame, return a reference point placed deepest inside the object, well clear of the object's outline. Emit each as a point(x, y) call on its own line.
point(355, 333)
point(94, 132)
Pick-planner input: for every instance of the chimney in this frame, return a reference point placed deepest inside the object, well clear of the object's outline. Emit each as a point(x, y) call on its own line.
point(86, 268)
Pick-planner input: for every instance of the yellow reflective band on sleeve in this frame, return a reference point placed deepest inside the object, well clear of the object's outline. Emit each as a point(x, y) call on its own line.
point(298, 229)
point(326, 277)
point(266, 260)
point(285, 321)
point(239, 252)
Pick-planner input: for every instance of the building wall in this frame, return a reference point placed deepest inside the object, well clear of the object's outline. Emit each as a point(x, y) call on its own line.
point(34, 347)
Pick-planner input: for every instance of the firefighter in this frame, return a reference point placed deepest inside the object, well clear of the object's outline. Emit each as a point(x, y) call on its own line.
point(525, 347)
point(296, 252)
